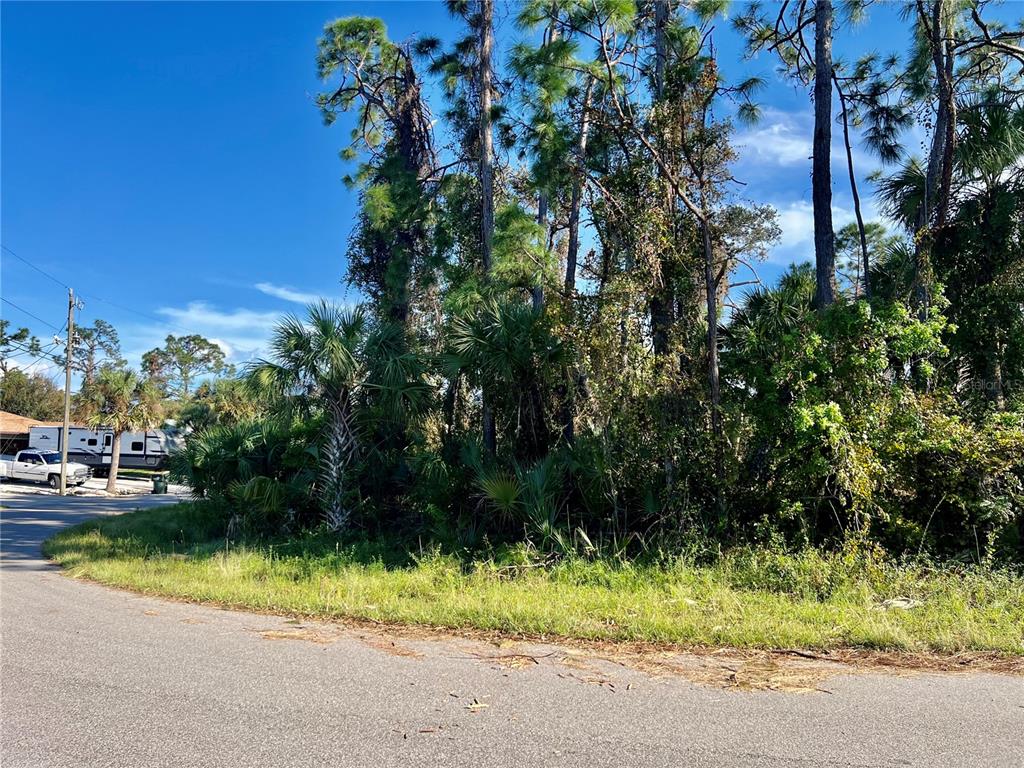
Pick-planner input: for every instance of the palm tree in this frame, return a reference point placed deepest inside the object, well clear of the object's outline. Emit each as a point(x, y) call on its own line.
point(768, 315)
point(990, 149)
point(509, 350)
point(315, 364)
point(122, 402)
point(988, 153)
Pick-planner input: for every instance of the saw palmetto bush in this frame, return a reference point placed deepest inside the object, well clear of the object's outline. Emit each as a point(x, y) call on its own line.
point(527, 500)
point(260, 472)
point(509, 351)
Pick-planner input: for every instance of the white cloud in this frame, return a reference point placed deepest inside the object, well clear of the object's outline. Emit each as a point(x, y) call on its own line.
point(44, 367)
point(226, 348)
point(796, 220)
point(288, 293)
point(784, 139)
point(241, 333)
point(780, 142)
point(202, 315)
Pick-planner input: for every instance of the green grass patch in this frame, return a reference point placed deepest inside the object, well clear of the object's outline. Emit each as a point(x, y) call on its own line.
point(745, 598)
point(140, 474)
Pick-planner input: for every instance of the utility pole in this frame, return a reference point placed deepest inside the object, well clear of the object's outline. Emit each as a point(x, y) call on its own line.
point(65, 436)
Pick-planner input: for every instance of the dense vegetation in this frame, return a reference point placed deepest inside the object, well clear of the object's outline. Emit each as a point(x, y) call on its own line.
point(560, 348)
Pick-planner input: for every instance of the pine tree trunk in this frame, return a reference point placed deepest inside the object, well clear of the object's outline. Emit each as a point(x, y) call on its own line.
point(940, 160)
point(115, 463)
point(862, 234)
point(537, 292)
point(714, 380)
point(415, 148)
point(662, 302)
point(486, 183)
point(572, 255)
point(451, 398)
point(575, 202)
point(821, 172)
point(938, 175)
point(997, 392)
point(486, 133)
point(489, 431)
point(662, 11)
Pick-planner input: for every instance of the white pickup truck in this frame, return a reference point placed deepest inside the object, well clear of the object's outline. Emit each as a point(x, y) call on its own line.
point(42, 467)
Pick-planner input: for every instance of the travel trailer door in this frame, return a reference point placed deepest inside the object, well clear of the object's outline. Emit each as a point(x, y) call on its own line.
point(108, 447)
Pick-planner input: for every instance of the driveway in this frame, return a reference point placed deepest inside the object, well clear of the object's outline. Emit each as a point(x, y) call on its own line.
point(98, 677)
point(94, 486)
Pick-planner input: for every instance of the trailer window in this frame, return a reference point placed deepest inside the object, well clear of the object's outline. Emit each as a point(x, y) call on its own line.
point(137, 445)
point(92, 441)
point(107, 440)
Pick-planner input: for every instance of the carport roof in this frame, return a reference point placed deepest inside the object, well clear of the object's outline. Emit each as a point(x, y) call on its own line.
point(13, 424)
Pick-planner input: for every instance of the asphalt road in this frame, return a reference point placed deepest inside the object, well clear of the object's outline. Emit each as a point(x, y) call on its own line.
point(91, 676)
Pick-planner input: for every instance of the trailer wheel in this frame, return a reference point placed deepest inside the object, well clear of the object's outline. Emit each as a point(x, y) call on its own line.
point(55, 481)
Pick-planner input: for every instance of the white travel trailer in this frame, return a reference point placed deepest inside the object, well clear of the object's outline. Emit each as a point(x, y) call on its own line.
point(93, 447)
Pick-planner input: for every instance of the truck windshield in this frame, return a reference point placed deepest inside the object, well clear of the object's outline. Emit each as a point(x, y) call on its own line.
point(50, 458)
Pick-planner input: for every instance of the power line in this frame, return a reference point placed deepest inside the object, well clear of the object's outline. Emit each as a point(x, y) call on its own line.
point(154, 318)
point(22, 356)
point(37, 269)
point(22, 348)
point(30, 351)
point(28, 347)
point(37, 317)
point(19, 355)
point(48, 371)
point(34, 357)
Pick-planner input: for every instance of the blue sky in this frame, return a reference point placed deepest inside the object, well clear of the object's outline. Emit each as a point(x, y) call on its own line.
point(168, 158)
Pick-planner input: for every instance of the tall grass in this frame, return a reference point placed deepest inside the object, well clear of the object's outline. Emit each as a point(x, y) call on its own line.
point(743, 598)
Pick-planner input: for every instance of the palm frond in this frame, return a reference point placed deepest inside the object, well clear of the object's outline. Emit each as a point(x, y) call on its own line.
point(901, 193)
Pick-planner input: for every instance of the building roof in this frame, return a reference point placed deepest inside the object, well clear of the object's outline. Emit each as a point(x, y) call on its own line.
point(12, 423)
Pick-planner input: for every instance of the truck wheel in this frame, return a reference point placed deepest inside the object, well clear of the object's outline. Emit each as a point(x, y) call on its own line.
point(55, 481)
